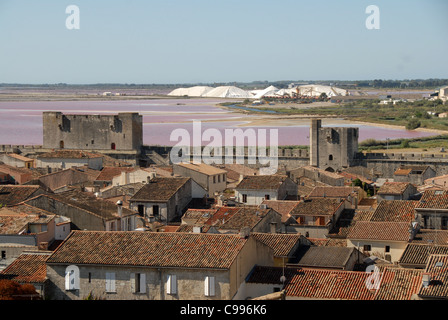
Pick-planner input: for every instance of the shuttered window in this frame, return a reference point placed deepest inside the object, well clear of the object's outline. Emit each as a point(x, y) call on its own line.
point(209, 286)
point(72, 278)
point(110, 282)
point(138, 282)
point(171, 284)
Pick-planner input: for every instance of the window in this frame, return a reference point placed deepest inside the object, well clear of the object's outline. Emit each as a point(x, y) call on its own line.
point(141, 210)
point(90, 277)
point(367, 247)
point(112, 146)
point(171, 284)
point(3, 254)
point(44, 228)
point(72, 278)
point(219, 178)
point(209, 286)
point(319, 221)
point(244, 198)
point(266, 197)
point(214, 179)
point(138, 282)
point(155, 211)
point(387, 249)
point(110, 282)
point(330, 157)
point(93, 142)
point(61, 144)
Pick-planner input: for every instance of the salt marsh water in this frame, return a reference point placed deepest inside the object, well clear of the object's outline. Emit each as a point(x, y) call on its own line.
point(21, 122)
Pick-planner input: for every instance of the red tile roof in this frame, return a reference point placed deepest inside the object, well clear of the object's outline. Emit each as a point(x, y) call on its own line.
point(14, 194)
point(267, 182)
point(317, 206)
point(328, 284)
point(284, 207)
point(107, 173)
point(151, 249)
point(433, 199)
point(437, 267)
point(396, 188)
point(283, 244)
point(28, 268)
point(333, 192)
point(416, 255)
point(399, 284)
point(380, 230)
point(395, 210)
point(160, 189)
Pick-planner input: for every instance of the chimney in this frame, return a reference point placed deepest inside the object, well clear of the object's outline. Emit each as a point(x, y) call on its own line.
point(120, 208)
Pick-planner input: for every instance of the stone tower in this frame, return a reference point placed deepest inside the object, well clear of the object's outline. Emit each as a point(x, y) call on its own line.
point(332, 149)
point(121, 132)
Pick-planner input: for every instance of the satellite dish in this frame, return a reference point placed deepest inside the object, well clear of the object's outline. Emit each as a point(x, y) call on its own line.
point(282, 279)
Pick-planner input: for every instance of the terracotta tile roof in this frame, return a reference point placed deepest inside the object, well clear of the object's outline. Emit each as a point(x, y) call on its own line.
point(333, 192)
point(329, 242)
point(234, 171)
point(437, 267)
point(317, 206)
point(396, 188)
point(395, 210)
point(189, 228)
point(267, 182)
point(431, 236)
point(353, 176)
point(197, 217)
point(367, 202)
point(282, 244)
point(269, 275)
point(159, 189)
point(28, 268)
point(328, 284)
point(202, 168)
point(399, 283)
point(19, 157)
point(284, 207)
point(107, 173)
point(380, 230)
point(14, 194)
point(11, 169)
point(151, 249)
point(323, 257)
point(245, 217)
point(87, 202)
point(416, 255)
point(221, 215)
point(433, 199)
point(13, 223)
point(402, 172)
point(406, 170)
point(69, 154)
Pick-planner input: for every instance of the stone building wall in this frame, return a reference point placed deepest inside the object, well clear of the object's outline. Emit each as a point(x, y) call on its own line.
point(92, 132)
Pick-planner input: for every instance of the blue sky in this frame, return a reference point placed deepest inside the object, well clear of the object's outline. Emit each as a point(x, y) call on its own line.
point(178, 41)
